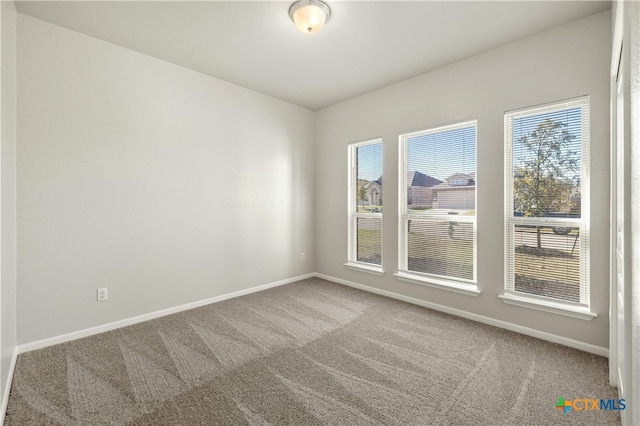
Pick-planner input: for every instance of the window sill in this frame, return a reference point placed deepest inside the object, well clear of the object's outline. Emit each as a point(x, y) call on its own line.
point(365, 267)
point(456, 287)
point(549, 306)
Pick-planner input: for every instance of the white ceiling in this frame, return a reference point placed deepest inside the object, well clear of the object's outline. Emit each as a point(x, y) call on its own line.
point(366, 44)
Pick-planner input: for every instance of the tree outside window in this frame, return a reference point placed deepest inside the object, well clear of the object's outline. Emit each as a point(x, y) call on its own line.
point(547, 174)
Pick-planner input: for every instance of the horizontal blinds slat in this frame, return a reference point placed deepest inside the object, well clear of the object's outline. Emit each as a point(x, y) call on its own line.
point(445, 216)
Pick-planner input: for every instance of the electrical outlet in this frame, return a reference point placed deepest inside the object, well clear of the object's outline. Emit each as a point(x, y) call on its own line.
point(303, 256)
point(102, 294)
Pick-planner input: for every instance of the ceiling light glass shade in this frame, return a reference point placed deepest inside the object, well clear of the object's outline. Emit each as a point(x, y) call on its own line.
point(309, 15)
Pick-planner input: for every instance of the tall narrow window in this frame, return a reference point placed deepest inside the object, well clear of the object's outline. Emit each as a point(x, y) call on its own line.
point(546, 202)
point(365, 206)
point(438, 206)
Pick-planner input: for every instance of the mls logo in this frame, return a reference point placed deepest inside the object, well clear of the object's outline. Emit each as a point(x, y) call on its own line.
point(563, 405)
point(589, 404)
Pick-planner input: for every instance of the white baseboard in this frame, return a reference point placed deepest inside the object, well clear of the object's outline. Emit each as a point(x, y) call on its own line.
point(7, 388)
point(576, 344)
point(39, 344)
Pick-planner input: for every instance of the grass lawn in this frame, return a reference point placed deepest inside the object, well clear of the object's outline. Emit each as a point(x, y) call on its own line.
point(550, 276)
point(552, 270)
point(435, 252)
point(370, 246)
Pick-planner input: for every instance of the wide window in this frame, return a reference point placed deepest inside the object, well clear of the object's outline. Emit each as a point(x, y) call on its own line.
point(546, 229)
point(438, 189)
point(365, 206)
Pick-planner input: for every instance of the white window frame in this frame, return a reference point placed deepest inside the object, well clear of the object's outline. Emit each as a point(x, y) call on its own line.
point(354, 215)
point(454, 284)
point(548, 304)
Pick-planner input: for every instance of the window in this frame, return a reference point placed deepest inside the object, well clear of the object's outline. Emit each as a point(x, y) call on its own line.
point(547, 227)
point(365, 206)
point(438, 207)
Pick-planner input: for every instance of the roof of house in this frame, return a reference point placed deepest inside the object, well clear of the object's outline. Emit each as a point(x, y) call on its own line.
point(447, 184)
point(370, 183)
point(420, 179)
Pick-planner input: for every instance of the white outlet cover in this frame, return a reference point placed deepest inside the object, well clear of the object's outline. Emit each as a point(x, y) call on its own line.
point(102, 294)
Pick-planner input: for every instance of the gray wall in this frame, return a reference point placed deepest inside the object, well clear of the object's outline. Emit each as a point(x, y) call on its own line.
point(566, 62)
point(7, 192)
point(164, 185)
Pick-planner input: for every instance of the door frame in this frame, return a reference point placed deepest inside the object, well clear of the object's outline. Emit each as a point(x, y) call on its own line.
point(620, 349)
point(613, 306)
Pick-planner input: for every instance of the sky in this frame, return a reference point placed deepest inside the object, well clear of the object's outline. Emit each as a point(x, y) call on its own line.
point(442, 154)
point(370, 161)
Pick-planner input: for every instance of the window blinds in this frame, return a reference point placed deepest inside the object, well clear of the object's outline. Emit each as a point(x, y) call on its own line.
point(547, 202)
point(438, 226)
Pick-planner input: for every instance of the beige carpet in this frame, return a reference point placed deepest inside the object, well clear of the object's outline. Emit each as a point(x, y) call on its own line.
point(308, 353)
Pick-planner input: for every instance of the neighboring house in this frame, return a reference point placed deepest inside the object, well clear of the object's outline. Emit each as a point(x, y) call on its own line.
point(374, 193)
point(458, 191)
point(420, 190)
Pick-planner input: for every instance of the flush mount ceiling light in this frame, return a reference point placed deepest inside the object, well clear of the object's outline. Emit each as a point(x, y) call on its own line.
point(309, 15)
